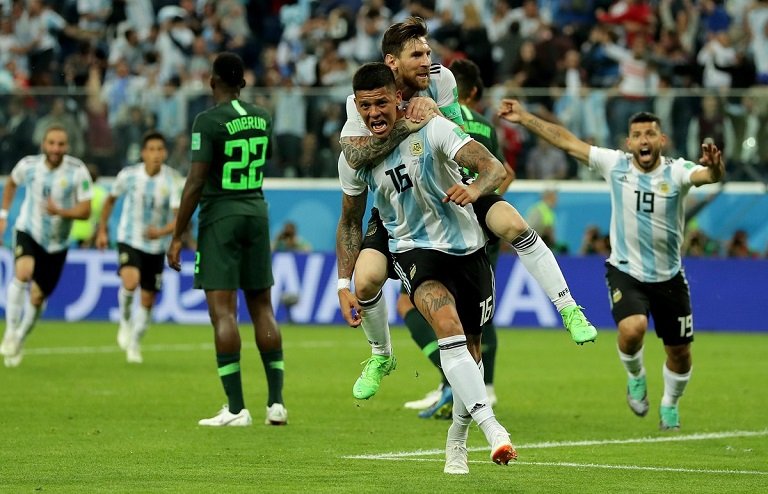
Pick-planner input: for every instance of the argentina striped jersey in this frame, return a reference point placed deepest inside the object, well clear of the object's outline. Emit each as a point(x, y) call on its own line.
point(66, 185)
point(647, 213)
point(148, 201)
point(409, 186)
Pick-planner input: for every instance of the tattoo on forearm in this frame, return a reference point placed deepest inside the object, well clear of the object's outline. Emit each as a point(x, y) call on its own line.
point(363, 151)
point(478, 159)
point(549, 132)
point(349, 235)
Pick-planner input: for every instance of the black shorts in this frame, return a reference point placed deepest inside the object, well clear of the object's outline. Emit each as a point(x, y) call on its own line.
point(150, 266)
point(469, 278)
point(668, 303)
point(48, 266)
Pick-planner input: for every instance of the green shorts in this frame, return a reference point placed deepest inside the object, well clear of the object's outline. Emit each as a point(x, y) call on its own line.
point(234, 253)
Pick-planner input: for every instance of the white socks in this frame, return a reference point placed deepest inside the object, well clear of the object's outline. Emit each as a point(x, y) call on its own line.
point(125, 304)
point(376, 325)
point(465, 377)
point(14, 305)
point(139, 323)
point(633, 363)
point(31, 315)
point(540, 262)
point(674, 386)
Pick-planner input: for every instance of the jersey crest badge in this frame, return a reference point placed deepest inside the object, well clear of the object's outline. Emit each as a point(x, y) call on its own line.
point(664, 187)
point(616, 296)
point(63, 183)
point(196, 141)
point(417, 147)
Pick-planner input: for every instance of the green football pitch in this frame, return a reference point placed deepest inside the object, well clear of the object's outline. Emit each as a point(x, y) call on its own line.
point(74, 417)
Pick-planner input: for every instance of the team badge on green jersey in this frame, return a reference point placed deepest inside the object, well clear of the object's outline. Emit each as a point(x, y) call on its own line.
point(196, 141)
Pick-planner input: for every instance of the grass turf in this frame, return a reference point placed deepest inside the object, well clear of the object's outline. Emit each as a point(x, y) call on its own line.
point(75, 417)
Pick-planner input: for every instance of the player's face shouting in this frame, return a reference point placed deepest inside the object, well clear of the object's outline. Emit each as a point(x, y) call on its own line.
point(645, 142)
point(378, 108)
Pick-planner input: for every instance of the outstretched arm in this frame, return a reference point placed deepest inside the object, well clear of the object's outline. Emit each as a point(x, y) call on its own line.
point(712, 160)
point(557, 135)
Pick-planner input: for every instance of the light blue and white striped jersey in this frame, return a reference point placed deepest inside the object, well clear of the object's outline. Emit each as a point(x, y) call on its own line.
point(409, 186)
point(149, 201)
point(442, 89)
point(67, 184)
point(647, 213)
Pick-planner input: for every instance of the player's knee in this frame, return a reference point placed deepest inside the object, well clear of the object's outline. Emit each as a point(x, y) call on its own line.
point(505, 221)
point(447, 326)
point(369, 280)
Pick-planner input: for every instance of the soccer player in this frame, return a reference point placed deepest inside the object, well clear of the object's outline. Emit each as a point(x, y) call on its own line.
point(230, 143)
point(644, 271)
point(151, 190)
point(436, 243)
point(429, 87)
point(58, 191)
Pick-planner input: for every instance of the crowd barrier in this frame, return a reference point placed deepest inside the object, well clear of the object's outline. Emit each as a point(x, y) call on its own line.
point(725, 293)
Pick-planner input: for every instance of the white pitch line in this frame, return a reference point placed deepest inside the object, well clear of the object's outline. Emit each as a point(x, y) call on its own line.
point(567, 464)
point(594, 442)
point(158, 347)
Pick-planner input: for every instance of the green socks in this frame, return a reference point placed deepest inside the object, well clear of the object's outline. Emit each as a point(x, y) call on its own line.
point(229, 372)
point(274, 367)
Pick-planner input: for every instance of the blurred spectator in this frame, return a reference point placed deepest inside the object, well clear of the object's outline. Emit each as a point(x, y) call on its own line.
point(171, 110)
point(542, 218)
point(127, 47)
point(288, 240)
point(718, 51)
point(121, 89)
point(738, 246)
point(37, 30)
point(639, 83)
point(92, 17)
point(178, 158)
point(711, 122)
point(698, 244)
point(174, 42)
point(100, 147)
point(546, 162)
point(757, 29)
point(129, 133)
point(602, 70)
point(373, 18)
point(16, 129)
point(594, 242)
point(60, 115)
point(634, 16)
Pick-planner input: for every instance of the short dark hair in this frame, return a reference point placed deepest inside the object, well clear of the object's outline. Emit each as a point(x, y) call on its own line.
point(644, 117)
point(152, 135)
point(230, 69)
point(467, 75)
point(397, 35)
point(373, 75)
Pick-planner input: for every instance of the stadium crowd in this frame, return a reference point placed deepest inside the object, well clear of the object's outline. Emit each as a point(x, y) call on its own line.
point(110, 70)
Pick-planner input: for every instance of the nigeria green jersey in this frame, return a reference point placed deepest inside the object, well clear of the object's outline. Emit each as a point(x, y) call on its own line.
point(234, 139)
point(481, 130)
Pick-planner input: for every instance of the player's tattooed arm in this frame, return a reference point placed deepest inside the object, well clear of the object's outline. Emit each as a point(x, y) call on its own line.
point(476, 158)
point(368, 150)
point(349, 233)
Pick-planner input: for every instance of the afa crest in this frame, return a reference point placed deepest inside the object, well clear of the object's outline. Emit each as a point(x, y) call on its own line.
point(417, 147)
point(664, 188)
point(123, 258)
point(616, 295)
